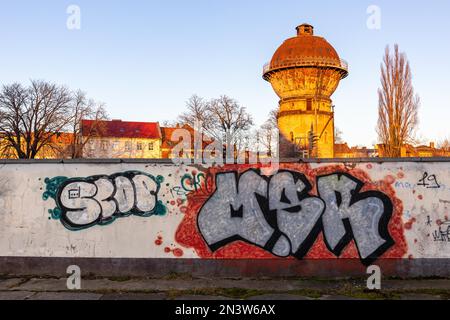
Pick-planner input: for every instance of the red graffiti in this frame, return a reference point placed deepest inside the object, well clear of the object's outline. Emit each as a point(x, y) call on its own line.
point(177, 252)
point(189, 236)
point(158, 241)
point(408, 225)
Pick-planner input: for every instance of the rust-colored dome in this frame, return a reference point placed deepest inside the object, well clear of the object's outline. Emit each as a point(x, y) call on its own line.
point(305, 50)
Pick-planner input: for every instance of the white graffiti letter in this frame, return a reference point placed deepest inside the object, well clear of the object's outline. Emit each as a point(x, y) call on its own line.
point(233, 213)
point(124, 194)
point(77, 199)
point(296, 218)
point(146, 189)
point(350, 214)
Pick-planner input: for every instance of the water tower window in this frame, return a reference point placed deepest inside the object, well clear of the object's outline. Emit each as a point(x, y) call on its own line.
point(308, 104)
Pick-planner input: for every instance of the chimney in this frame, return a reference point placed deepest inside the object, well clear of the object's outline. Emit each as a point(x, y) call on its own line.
point(432, 145)
point(305, 30)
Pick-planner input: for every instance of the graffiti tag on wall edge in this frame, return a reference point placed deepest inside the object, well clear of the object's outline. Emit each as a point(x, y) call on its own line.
point(98, 200)
point(279, 214)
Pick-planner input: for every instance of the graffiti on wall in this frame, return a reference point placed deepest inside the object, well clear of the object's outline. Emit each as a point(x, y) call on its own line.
point(101, 199)
point(190, 182)
point(279, 215)
point(237, 212)
point(442, 234)
point(300, 211)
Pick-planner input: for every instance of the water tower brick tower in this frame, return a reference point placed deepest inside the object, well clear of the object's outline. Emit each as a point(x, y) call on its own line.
point(304, 72)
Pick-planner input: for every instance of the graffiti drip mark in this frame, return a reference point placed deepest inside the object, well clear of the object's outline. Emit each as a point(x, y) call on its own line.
point(99, 200)
point(279, 214)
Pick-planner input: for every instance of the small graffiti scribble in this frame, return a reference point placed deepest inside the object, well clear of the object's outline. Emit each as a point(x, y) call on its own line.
point(442, 234)
point(429, 181)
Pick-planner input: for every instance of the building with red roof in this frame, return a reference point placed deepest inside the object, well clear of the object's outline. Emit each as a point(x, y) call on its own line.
point(121, 139)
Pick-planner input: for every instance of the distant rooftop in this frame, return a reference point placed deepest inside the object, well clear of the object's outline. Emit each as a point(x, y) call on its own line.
point(124, 129)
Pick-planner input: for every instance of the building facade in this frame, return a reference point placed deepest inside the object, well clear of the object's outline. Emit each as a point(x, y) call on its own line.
point(122, 139)
point(304, 72)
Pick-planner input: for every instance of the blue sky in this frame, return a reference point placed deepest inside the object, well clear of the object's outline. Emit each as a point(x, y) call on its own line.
point(144, 59)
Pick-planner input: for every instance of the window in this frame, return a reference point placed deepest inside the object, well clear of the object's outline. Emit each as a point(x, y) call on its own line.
point(127, 146)
point(139, 146)
point(104, 145)
point(308, 104)
point(115, 145)
point(150, 146)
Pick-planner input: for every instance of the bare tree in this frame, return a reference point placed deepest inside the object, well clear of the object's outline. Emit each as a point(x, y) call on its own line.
point(30, 117)
point(222, 119)
point(197, 112)
point(228, 120)
point(444, 146)
point(169, 123)
point(268, 133)
point(398, 104)
point(338, 136)
point(85, 109)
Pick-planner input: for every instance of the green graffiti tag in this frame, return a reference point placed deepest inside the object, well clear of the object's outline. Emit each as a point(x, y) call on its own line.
point(51, 189)
point(99, 200)
point(192, 182)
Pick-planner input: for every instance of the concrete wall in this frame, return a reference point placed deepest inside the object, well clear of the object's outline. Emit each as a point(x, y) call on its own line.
point(392, 213)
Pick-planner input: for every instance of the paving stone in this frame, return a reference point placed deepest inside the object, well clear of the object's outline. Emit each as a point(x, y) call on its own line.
point(65, 296)
point(337, 297)
point(279, 297)
point(10, 283)
point(15, 295)
point(442, 284)
point(201, 297)
point(134, 296)
point(163, 285)
point(43, 285)
point(419, 296)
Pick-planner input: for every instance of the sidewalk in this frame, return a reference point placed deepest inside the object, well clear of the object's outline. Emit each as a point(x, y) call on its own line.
point(185, 288)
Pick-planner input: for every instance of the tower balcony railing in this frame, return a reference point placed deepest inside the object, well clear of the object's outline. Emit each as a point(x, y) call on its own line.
point(306, 62)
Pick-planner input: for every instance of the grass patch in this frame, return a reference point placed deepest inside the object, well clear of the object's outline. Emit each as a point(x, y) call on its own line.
point(178, 276)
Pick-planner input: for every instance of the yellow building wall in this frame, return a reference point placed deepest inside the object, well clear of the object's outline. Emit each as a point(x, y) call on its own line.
point(118, 148)
point(305, 101)
point(295, 122)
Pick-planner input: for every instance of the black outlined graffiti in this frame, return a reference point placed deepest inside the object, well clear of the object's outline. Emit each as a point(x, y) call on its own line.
point(279, 214)
point(297, 213)
point(100, 199)
point(429, 181)
point(442, 234)
point(232, 213)
point(351, 214)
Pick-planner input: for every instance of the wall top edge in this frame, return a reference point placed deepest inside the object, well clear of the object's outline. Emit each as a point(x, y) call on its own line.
point(168, 161)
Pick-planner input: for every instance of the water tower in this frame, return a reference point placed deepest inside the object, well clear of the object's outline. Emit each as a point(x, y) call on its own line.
point(304, 72)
